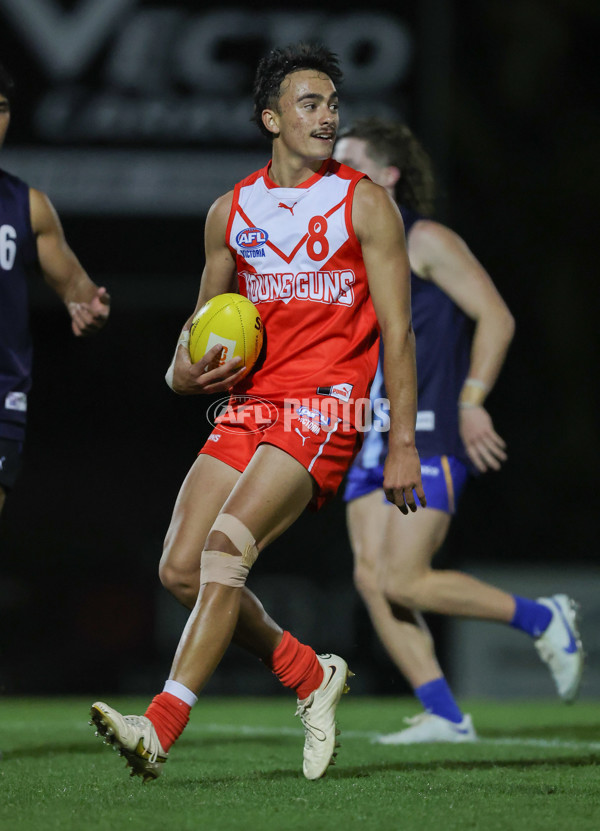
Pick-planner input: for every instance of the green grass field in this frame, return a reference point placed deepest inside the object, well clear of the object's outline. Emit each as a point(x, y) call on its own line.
point(238, 766)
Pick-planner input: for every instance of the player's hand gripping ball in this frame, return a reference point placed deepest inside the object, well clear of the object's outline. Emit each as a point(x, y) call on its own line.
point(234, 322)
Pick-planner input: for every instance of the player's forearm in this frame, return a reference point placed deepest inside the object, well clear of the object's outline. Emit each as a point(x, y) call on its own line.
point(400, 376)
point(213, 284)
point(491, 340)
point(72, 286)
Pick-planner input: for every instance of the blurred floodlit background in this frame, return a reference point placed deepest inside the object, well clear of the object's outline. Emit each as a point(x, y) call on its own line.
point(134, 116)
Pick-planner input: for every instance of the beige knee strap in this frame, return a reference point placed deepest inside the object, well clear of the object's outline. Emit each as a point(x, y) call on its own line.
point(239, 535)
point(223, 568)
point(229, 569)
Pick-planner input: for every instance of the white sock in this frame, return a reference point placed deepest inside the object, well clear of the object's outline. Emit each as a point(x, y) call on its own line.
point(180, 692)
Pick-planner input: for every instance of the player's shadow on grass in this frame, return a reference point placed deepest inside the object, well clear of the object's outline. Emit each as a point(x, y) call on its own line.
point(367, 770)
point(466, 765)
point(95, 747)
point(220, 741)
point(342, 771)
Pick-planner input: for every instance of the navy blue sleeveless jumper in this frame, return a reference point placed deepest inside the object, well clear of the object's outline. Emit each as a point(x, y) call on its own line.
point(443, 336)
point(18, 258)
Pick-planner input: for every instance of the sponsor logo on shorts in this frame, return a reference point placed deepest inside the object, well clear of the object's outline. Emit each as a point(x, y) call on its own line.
point(312, 419)
point(430, 470)
point(302, 436)
point(213, 437)
point(425, 420)
point(16, 401)
point(340, 391)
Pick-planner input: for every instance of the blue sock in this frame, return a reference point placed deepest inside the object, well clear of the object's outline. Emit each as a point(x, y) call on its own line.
point(530, 616)
point(436, 697)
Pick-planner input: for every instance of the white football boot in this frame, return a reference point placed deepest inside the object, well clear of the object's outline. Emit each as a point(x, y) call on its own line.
point(134, 737)
point(427, 728)
point(560, 645)
point(317, 713)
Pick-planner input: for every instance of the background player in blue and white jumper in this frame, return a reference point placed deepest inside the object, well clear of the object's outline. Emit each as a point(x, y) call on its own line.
point(31, 240)
point(463, 329)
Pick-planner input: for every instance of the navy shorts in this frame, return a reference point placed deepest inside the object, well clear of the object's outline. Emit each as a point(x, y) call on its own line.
point(443, 477)
point(10, 462)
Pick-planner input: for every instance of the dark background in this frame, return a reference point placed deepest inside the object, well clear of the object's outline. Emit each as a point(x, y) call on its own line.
point(504, 97)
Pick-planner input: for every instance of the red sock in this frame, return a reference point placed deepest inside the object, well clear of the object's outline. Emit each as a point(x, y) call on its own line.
point(169, 715)
point(297, 666)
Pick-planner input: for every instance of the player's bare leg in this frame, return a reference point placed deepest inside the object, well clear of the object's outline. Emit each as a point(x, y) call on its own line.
point(376, 539)
point(402, 631)
point(294, 663)
point(409, 545)
point(270, 494)
point(195, 511)
point(393, 574)
point(267, 498)
point(410, 581)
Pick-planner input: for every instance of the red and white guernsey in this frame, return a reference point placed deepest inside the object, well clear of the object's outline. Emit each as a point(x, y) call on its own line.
point(299, 261)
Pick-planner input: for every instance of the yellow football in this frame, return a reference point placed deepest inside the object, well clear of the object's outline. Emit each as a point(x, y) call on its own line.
point(234, 322)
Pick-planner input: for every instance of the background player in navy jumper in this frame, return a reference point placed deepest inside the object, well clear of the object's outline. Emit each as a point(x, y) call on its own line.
point(463, 329)
point(31, 239)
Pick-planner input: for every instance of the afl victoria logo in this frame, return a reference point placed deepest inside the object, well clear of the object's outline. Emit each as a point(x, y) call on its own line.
point(252, 238)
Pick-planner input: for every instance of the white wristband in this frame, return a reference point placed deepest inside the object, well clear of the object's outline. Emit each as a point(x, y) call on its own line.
point(184, 339)
point(169, 377)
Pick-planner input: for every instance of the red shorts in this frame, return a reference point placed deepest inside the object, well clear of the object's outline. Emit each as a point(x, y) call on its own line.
point(323, 444)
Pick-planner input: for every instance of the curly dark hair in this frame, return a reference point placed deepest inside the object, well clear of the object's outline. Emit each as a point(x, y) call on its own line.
point(7, 84)
point(273, 68)
point(393, 143)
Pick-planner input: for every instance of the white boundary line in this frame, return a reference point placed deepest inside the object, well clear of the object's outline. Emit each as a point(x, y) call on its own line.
point(247, 730)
